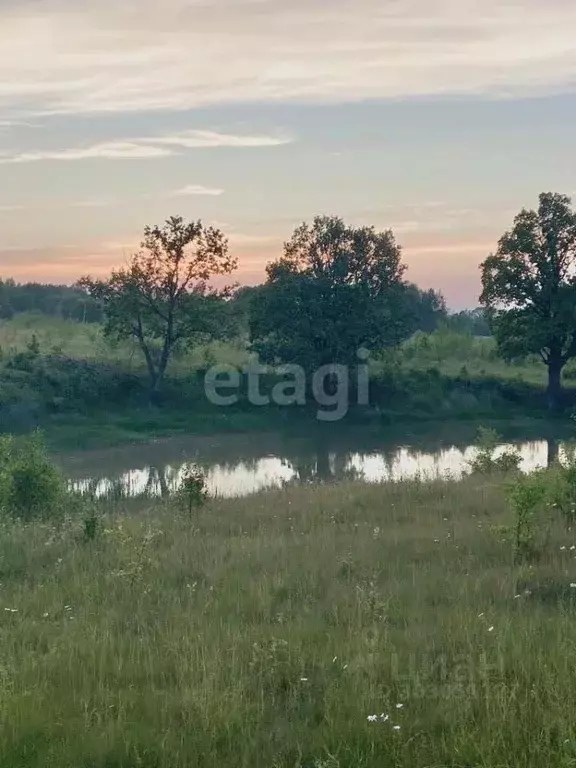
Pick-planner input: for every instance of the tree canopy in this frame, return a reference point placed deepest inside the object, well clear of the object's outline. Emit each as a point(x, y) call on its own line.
point(336, 289)
point(529, 287)
point(163, 299)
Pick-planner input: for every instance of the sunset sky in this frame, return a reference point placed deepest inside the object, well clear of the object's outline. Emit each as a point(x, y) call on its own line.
point(437, 118)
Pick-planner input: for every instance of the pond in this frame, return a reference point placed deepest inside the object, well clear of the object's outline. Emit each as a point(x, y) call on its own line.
point(242, 464)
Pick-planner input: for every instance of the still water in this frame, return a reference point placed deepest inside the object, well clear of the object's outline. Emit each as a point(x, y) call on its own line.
point(238, 465)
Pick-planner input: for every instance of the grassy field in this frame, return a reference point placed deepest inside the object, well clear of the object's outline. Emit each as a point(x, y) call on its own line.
point(86, 393)
point(266, 632)
point(450, 352)
point(86, 341)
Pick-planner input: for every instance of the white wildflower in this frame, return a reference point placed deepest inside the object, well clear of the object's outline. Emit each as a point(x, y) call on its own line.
point(396, 727)
point(372, 718)
point(303, 679)
point(490, 629)
point(399, 706)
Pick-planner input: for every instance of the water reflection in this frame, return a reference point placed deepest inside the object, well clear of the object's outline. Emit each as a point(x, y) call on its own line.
point(293, 464)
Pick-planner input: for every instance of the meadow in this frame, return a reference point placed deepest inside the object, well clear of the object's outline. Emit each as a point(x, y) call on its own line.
point(85, 392)
point(321, 627)
point(449, 350)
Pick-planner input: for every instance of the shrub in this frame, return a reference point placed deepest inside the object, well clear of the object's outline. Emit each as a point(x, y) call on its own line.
point(531, 523)
point(192, 492)
point(539, 501)
point(486, 461)
point(30, 485)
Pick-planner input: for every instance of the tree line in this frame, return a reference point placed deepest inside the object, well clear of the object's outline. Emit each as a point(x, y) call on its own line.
point(334, 290)
point(61, 301)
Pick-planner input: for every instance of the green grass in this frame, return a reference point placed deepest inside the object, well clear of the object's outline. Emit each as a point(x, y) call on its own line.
point(437, 376)
point(263, 632)
point(86, 341)
point(449, 351)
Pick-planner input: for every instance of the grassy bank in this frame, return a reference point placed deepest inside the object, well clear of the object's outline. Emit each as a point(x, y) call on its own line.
point(266, 631)
point(85, 393)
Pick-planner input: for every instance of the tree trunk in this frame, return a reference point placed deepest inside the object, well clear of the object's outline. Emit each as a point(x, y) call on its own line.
point(554, 385)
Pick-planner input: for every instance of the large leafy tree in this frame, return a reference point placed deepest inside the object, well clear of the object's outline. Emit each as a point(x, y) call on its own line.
point(335, 290)
point(529, 288)
point(162, 299)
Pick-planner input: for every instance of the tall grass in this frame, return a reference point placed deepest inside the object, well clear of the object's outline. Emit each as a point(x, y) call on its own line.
point(265, 631)
point(86, 341)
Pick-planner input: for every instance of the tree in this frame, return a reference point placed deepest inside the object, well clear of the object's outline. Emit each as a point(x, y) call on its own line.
point(428, 308)
point(162, 299)
point(470, 321)
point(335, 290)
point(529, 288)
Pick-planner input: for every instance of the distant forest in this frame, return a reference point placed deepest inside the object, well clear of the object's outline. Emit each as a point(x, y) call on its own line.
point(74, 304)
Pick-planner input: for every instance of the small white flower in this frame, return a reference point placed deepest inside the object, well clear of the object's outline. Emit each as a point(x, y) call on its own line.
point(303, 679)
point(517, 596)
point(45, 615)
point(480, 615)
point(573, 547)
point(334, 659)
point(399, 706)
point(490, 629)
point(345, 666)
point(562, 549)
point(396, 727)
point(383, 717)
point(572, 585)
point(372, 718)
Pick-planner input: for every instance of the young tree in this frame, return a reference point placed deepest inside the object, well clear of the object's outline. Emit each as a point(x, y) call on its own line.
point(529, 288)
point(335, 290)
point(162, 298)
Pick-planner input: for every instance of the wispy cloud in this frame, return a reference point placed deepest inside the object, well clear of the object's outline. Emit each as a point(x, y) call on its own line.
point(145, 148)
point(114, 150)
point(197, 189)
point(58, 57)
point(209, 139)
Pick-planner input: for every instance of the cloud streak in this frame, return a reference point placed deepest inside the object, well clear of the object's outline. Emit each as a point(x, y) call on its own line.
point(145, 148)
point(123, 56)
point(197, 189)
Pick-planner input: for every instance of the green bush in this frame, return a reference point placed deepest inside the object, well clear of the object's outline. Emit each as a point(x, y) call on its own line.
point(539, 502)
point(192, 492)
point(486, 461)
point(30, 485)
